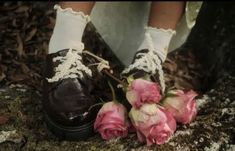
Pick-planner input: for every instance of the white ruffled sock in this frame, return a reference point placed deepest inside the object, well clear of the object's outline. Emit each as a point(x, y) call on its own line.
point(160, 40)
point(68, 30)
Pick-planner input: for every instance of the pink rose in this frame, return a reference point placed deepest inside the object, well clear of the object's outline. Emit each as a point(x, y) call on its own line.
point(111, 121)
point(153, 123)
point(142, 91)
point(182, 105)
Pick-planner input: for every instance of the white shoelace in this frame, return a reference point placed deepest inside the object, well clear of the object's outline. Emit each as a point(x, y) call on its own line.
point(71, 65)
point(148, 62)
point(102, 64)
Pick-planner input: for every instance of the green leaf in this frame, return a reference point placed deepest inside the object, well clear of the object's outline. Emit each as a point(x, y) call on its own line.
point(130, 79)
point(171, 95)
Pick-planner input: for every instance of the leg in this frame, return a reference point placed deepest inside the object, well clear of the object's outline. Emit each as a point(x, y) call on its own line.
point(67, 91)
point(165, 14)
point(163, 20)
point(69, 25)
point(85, 7)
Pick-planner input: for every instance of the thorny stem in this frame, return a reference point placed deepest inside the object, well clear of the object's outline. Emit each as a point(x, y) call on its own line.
point(104, 70)
point(113, 77)
point(102, 100)
point(113, 92)
point(101, 103)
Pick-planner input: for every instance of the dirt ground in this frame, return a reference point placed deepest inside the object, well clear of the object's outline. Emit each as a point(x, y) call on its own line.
point(25, 31)
point(212, 130)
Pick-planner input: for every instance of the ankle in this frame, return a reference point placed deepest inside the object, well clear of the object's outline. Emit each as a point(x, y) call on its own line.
point(157, 40)
point(68, 30)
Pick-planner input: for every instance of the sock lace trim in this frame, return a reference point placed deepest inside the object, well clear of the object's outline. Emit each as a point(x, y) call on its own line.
point(70, 10)
point(170, 31)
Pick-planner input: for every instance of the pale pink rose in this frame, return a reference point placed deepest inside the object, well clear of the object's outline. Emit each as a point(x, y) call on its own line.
point(111, 121)
point(153, 123)
point(142, 91)
point(182, 105)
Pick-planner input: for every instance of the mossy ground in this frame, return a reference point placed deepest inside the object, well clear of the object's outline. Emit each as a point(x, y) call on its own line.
point(20, 97)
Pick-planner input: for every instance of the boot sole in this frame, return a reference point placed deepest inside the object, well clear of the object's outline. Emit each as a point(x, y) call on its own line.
point(78, 133)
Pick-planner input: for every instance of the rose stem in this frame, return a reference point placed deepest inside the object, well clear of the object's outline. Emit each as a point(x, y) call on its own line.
point(113, 92)
point(113, 77)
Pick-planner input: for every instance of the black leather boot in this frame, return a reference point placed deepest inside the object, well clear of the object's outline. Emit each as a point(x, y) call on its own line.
point(141, 64)
point(68, 101)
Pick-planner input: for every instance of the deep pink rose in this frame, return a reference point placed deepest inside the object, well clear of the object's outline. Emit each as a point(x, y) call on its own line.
point(111, 121)
point(153, 123)
point(142, 91)
point(182, 105)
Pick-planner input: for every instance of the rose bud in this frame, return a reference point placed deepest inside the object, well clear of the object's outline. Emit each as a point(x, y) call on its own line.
point(142, 91)
point(111, 121)
point(153, 123)
point(182, 105)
